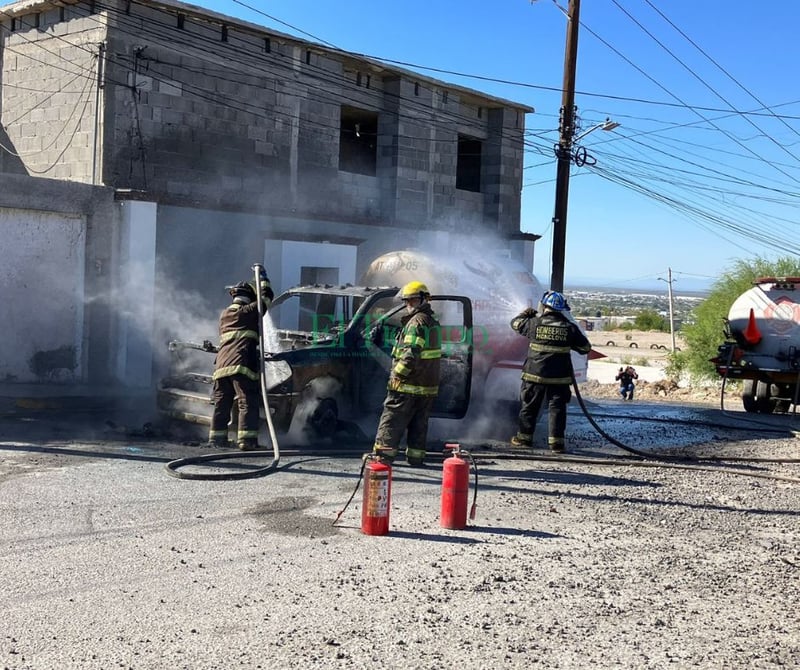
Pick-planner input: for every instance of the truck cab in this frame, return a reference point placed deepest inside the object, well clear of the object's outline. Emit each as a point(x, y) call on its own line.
point(323, 362)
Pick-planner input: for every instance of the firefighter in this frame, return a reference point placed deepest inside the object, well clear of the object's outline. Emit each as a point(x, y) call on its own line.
point(547, 373)
point(236, 367)
point(414, 379)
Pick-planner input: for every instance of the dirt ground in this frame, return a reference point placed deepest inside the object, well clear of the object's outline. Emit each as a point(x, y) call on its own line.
point(589, 560)
point(640, 348)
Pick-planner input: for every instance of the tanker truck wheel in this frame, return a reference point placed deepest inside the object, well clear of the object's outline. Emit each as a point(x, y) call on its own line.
point(749, 396)
point(764, 400)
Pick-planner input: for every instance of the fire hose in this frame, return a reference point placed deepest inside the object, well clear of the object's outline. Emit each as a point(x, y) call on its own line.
point(679, 462)
point(173, 466)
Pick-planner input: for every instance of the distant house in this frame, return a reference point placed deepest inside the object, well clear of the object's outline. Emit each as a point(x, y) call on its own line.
point(220, 144)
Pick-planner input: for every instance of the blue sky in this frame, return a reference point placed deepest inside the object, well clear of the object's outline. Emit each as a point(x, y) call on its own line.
point(705, 166)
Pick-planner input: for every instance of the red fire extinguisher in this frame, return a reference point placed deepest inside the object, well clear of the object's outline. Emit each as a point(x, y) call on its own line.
point(455, 489)
point(377, 496)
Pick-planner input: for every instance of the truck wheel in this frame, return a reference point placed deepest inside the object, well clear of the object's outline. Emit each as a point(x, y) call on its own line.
point(763, 398)
point(749, 396)
point(324, 418)
point(655, 346)
point(610, 343)
point(633, 345)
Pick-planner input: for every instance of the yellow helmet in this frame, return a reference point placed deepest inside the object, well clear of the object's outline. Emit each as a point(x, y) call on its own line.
point(414, 289)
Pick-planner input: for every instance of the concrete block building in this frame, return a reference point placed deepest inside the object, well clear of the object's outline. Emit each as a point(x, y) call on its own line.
point(225, 143)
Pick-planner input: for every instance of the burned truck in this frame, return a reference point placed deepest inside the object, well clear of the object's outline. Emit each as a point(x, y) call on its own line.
point(327, 356)
point(762, 347)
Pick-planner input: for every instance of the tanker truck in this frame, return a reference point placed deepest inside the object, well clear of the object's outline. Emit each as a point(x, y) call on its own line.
point(762, 347)
point(499, 288)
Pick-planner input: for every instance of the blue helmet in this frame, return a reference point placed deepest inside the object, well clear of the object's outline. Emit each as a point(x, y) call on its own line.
point(555, 300)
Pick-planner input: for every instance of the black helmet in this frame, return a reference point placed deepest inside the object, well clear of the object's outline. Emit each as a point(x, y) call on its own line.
point(242, 289)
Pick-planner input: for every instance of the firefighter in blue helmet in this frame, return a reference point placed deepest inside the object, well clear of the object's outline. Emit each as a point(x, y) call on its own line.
point(237, 368)
point(414, 379)
point(547, 373)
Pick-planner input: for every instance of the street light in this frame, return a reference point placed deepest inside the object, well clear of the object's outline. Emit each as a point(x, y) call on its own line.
point(562, 195)
point(608, 124)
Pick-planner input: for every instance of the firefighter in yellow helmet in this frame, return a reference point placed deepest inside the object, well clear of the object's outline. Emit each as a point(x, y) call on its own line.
point(414, 379)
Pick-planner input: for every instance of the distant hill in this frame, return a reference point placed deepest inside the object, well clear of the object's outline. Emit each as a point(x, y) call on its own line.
point(596, 302)
point(684, 286)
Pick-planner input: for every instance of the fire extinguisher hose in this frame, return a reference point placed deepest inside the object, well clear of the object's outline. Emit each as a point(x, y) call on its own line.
point(173, 466)
point(355, 490)
point(474, 506)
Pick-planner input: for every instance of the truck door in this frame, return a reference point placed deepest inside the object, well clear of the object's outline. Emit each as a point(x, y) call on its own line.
point(454, 313)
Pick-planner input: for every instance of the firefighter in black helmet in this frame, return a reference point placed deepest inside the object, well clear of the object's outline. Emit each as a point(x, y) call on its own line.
point(547, 373)
point(414, 379)
point(237, 368)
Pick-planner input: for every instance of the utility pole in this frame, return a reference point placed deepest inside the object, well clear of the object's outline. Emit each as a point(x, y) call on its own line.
point(566, 130)
point(671, 318)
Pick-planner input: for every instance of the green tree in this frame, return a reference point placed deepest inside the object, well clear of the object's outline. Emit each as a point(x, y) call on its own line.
point(649, 319)
point(705, 332)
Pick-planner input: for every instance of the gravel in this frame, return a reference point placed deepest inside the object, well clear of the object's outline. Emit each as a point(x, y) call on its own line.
point(108, 562)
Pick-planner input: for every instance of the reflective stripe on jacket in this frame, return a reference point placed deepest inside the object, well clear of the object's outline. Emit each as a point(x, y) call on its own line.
point(416, 353)
point(552, 337)
point(238, 342)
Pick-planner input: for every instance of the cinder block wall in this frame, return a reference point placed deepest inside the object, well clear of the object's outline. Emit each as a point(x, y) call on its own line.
point(200, 112)
point(49, 90)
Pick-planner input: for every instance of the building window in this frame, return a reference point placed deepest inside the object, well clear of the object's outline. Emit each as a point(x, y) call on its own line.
point(181, 21)
point(308, 57)
point(267, 45)
point(444, 97)
point(416, 88)
point(358, 141)
point(224, 35)
point(468, 167)
point(358, 79)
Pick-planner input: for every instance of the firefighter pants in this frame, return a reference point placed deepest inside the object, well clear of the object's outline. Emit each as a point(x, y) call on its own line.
point(405, 412)
point(246, 393)
point(532, 397)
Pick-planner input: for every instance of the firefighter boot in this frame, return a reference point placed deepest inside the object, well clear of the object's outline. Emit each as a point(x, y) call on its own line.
point(217, 442)
point(388, 454)
point(415, 457)
point(521, 441)
point(248, 444)
point(556, 444)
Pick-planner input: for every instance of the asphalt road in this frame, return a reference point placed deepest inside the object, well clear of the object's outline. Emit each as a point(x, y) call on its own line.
point(591, 560)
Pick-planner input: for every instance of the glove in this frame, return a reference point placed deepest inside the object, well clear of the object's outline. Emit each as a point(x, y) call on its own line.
point(208, 345)
point(529, 313)
point(394, 383)
point(376, 335)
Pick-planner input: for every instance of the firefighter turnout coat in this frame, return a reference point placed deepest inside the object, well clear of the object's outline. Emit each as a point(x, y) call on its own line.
point(416, 354)
point(552, 336)
point(238, 342)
